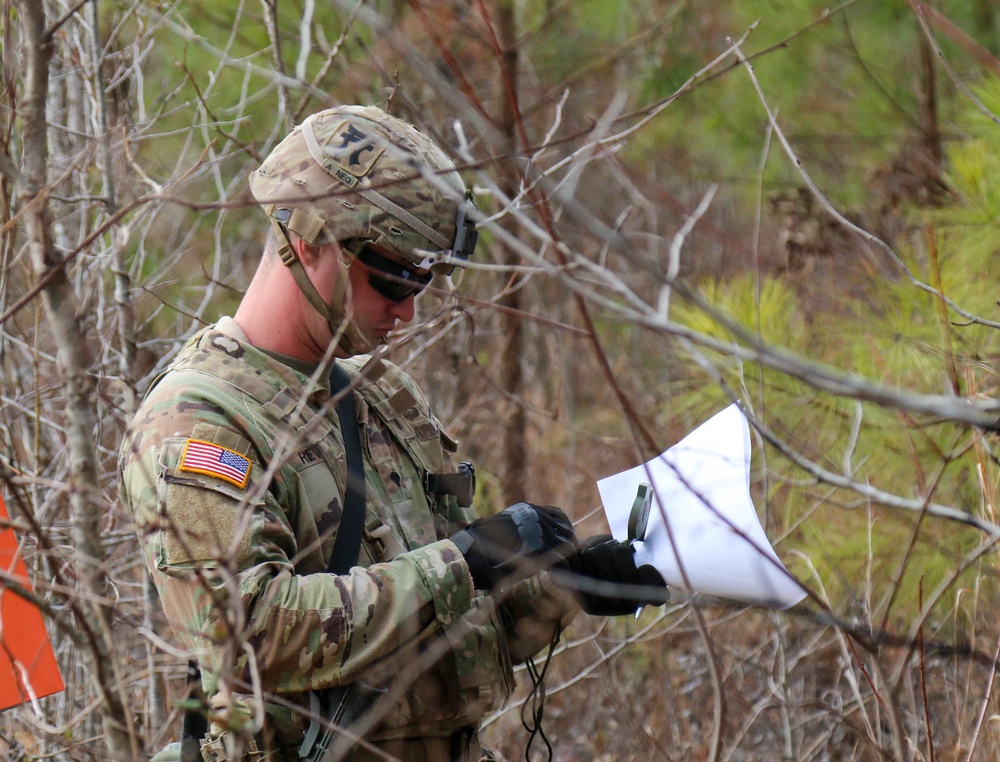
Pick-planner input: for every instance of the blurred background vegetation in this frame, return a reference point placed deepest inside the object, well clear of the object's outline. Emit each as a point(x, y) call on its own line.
point(869, 245)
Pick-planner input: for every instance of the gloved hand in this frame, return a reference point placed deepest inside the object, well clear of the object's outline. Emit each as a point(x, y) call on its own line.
point(515, 543)
point(608, 583)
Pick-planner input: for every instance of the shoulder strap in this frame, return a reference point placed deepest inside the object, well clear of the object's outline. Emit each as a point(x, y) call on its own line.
point(352, 522)
point(328, 704)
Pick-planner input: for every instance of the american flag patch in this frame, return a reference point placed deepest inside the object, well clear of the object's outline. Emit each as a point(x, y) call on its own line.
point(212, 460)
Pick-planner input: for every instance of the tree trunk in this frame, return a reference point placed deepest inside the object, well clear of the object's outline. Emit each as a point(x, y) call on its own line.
point(515, 434)
point(60, 306)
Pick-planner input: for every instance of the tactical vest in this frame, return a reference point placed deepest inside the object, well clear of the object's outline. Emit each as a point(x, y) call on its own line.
point(397, 402)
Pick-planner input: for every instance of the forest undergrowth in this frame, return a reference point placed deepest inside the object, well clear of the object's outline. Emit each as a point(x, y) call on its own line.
point(681, 207)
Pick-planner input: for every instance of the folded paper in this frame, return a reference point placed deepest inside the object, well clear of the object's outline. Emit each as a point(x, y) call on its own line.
point(701, 493)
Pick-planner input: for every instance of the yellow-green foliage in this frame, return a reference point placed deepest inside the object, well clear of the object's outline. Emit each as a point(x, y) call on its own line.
point(868, 557)
point(768, 311)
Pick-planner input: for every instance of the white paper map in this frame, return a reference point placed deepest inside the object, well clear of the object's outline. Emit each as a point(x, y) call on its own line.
point(704, 483)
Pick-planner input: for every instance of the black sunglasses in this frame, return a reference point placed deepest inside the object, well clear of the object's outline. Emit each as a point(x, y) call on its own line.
point(394, 281)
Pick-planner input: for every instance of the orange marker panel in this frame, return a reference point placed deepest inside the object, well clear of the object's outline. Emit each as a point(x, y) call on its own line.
point(26, 656)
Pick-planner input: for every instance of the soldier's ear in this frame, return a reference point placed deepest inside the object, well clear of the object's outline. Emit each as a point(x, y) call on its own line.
point(307, 253)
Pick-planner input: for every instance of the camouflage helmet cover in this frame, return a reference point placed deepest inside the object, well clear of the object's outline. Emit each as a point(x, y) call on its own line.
point(357, 173)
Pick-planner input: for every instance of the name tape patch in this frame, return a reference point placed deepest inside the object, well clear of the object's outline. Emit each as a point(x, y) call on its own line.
point(200, 457)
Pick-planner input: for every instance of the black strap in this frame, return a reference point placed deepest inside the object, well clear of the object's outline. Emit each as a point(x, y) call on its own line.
point(347, 546)
point(330, 703)
point(195, 724)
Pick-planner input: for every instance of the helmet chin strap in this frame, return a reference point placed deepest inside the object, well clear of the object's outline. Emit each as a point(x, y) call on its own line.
point(349, 337)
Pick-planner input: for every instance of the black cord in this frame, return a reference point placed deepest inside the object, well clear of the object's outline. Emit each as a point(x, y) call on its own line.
point(536, 699)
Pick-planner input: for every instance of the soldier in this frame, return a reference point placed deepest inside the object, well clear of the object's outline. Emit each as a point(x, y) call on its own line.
point(237, 468)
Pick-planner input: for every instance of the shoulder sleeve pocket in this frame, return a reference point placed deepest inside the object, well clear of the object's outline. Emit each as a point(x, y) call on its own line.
point(205, 517)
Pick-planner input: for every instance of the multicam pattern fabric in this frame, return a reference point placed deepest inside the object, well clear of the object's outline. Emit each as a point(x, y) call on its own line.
point(241, 571)
point(356, 148)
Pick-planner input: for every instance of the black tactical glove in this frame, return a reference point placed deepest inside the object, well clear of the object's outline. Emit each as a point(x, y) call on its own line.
point(608, 582)
point(515, 543)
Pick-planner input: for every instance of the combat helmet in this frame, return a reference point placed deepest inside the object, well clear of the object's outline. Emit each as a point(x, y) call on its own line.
point(356, 173)
point(357, 176)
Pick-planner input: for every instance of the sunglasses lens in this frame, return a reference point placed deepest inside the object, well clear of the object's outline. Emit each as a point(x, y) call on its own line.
point(392, 290)
point(391, 280)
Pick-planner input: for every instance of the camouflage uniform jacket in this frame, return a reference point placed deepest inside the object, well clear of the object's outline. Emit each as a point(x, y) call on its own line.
point(235, 473)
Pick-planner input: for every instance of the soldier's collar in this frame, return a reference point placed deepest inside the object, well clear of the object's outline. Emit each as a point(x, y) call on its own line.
point(300, 366)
